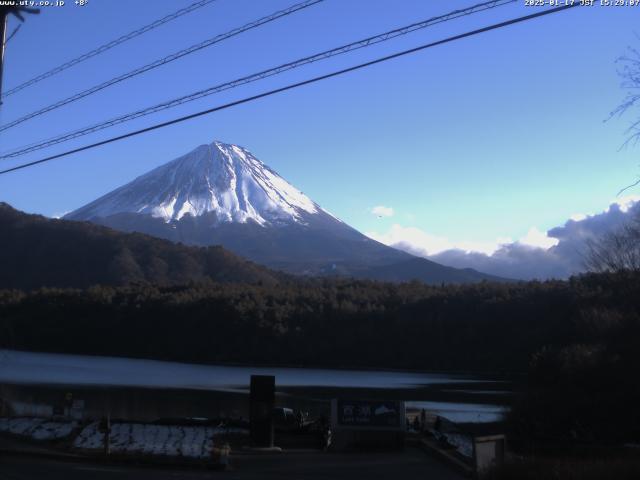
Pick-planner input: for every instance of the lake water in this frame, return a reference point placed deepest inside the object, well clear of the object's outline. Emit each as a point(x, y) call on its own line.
point(60, 369)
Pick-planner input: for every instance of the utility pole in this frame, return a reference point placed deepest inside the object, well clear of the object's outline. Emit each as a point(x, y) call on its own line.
point(3, 35)
point(4, 17)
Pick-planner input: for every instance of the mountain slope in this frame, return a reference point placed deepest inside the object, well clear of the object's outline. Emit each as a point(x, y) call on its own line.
point(220, 179)
point(222, 194)
point(36, 251)
point(425, 271)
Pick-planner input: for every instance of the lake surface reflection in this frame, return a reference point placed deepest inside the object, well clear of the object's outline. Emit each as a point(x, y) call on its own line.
point(18, 367)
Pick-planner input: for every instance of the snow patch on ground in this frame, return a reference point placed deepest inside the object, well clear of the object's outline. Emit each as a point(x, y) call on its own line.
point(158, 440)
point(462, 442)
point(90, 437)
point(462, 412)
point(38, 428)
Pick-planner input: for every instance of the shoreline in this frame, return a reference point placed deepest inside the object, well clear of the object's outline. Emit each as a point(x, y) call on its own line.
point(493, 374)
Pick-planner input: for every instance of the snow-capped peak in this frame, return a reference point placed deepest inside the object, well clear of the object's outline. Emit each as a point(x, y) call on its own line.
point(220, 178)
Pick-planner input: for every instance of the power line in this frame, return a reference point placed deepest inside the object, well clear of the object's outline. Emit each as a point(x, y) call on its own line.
point(15, 30)
point(108, 46)
point(163, 61)
point(296, 85)
point(256, 76)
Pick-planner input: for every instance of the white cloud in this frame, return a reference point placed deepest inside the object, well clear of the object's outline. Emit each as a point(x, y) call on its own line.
point(382, 211)
point(622, 203)
point(578, 217)
point(411, 238)
point(557, 253)
point(60, 215)
point(625, 203)
point(536, 238)
point(419, 242)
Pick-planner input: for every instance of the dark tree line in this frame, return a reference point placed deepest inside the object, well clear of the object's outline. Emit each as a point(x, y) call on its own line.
point(492, 327)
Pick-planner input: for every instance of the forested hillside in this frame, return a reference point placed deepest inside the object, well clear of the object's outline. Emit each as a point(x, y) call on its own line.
point(36, 251)
point(497, 327)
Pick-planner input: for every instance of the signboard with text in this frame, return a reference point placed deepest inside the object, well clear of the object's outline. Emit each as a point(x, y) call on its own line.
point(368, 413)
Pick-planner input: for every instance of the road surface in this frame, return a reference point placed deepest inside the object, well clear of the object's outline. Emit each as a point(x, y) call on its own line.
point(408, 465)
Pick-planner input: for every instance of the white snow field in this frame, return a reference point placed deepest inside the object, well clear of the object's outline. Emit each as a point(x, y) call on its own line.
point(38, 428)
point(157, 440)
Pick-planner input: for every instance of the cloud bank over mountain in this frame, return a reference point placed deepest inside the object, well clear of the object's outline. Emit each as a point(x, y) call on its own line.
point(557, 253)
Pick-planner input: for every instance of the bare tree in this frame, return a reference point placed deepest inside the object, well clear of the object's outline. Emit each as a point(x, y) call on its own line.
point(619, 251)
point(616, 251)
point(629, 73)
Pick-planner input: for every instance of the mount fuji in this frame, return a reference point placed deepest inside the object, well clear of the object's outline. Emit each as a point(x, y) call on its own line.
point(220, 194)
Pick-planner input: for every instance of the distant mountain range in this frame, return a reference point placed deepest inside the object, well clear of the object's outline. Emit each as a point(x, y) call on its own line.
point(220, 194)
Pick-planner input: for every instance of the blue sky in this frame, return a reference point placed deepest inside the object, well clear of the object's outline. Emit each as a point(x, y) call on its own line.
point(474, 141)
